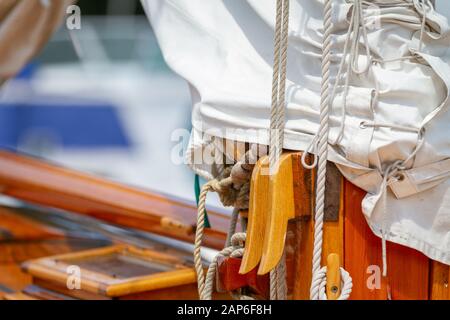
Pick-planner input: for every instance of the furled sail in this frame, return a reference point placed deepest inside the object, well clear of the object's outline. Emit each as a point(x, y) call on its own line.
point(391, 84)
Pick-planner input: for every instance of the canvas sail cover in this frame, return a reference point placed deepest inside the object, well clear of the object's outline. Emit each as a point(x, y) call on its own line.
point(390, 132)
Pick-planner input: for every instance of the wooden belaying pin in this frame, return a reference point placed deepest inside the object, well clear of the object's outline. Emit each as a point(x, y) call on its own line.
point(333, 286)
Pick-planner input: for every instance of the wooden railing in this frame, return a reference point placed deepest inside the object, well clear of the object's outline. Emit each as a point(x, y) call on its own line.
point(41, 183)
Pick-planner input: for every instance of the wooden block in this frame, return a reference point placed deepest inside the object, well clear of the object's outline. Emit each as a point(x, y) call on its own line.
point(303, 228)
point(360, 252)
point(229, 278)
point(48, 290)
point(333, 230)
point(18, 296)
point(42, 293)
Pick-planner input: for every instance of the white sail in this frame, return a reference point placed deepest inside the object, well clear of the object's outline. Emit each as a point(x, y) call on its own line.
point(390, 113)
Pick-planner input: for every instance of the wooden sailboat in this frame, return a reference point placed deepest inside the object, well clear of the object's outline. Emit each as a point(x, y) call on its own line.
point(39, 258)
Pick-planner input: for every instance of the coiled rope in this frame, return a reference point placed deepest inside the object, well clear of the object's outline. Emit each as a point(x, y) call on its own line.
point(233, 188)
point(219, 186)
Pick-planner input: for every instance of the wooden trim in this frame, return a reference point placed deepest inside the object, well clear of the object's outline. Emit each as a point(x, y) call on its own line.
point(439, 281)
point(154, 282)
point(41, 183)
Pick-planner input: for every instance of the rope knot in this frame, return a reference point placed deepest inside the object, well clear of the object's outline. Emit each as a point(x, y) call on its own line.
point(233, 185)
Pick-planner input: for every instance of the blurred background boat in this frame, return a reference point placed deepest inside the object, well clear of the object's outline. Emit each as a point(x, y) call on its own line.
point(102, 100)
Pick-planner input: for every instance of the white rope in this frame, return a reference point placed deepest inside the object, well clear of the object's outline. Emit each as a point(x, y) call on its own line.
point(232, 228)
point(277, 116)
point(198, 239)
point(351, 48)
point(235, 250)
point(392, 170)
point(278, 288)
